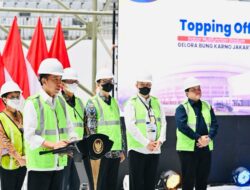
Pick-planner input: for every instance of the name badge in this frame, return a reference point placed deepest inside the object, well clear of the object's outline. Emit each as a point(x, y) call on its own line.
point(152, 119)
point(151, 131)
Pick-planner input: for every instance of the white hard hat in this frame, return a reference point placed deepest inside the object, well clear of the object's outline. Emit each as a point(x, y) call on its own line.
point(104, 74)
point(191, 82)
point(51, 66)
point(9, 86)
point(144, 77)
point(69, 74)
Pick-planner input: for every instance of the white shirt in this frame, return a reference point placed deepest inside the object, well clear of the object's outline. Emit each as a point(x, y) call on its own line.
point(30, 126)
point(130, 121)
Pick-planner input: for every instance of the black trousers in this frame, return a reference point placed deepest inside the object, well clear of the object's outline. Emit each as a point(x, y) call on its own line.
point(71, 179)
point(142, 170)
point(108, 173)
point(195, 167)
point(45, 180)
point(12, 179)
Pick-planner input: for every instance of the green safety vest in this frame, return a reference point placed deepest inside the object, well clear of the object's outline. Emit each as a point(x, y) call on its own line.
point(141, 113)
point(185, 143)
point(16, 138)
point(49, 121)
point(75, 118)
point(108, 120)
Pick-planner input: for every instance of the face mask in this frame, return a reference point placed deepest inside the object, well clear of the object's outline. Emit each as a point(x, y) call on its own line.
point(107, 87)
point(144, 91)
point(72, 87)
point(14, 103)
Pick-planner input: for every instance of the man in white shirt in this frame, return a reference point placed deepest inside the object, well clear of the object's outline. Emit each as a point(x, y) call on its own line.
point(46, 127)
point(146, 131)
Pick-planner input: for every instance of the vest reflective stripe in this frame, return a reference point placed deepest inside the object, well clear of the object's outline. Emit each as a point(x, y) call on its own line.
point(75, 119)
point(16, 137)
point(184, 143)
point(51, 132)
point(189, 109)
point(42, 130)
point(141, 114)
point(79, 124)
point(143, 121)
point(80, 103)
point(50, 124)
point(102, 121)
point(108, 121)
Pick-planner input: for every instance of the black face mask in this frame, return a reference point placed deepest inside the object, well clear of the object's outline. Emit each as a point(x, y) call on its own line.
point(107, 87)
point(144, 91)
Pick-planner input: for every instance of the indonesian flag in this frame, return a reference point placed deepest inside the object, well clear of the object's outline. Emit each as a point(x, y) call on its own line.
point(38, 48)
point(14, 61)
point(36, 54)
point(2, 80)
point(58, 48)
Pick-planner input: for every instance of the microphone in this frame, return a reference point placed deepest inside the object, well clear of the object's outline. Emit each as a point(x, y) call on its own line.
point(66, 149)
point(96, 146)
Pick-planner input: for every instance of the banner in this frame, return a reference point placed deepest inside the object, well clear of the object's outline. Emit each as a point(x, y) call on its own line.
point(174, 40)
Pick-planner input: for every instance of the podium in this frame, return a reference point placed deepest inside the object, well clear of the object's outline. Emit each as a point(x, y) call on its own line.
point(94, 146)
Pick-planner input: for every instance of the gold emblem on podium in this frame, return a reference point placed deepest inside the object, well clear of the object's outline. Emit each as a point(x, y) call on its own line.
point(98, 146)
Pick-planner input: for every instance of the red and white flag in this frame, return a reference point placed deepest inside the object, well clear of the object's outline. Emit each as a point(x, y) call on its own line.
point(2, 80)
point(38, 48)
point(4, 77)
point(36, 54)
point(14, 61)
point(58, 48)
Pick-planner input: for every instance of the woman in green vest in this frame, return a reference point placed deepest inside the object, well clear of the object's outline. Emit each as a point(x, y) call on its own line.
point(13, 169)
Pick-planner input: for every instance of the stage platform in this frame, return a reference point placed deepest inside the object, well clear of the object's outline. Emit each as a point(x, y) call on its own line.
point(228, 187)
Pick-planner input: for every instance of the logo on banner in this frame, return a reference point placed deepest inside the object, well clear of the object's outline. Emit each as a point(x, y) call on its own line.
point(143, 1)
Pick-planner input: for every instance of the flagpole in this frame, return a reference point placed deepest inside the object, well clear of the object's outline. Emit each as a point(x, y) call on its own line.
point(94, 45)
point(114, 92)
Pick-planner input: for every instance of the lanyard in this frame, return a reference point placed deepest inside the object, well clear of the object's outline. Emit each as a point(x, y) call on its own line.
point(151, 117)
